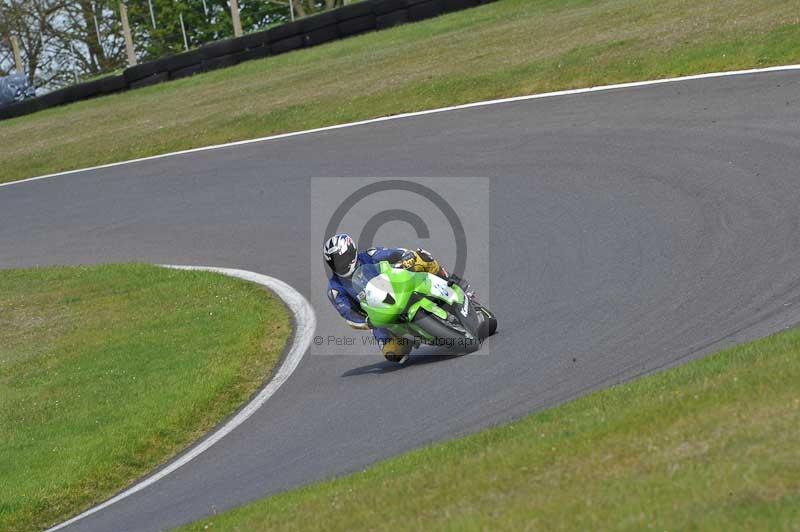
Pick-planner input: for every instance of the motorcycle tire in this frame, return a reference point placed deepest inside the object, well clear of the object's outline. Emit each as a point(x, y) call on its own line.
point(489, 326)
point(445, 333)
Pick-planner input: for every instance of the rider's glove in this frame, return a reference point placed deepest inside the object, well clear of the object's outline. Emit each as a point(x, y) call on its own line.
point(420, 261)
point(408, 261)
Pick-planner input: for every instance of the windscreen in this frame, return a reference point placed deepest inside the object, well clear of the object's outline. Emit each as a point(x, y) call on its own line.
point(363, 274)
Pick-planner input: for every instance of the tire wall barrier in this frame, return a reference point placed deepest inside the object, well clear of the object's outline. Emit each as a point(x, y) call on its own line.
point(353, 19)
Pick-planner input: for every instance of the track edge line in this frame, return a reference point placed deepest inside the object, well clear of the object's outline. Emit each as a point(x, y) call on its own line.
point(486, 103)
point(304, 326)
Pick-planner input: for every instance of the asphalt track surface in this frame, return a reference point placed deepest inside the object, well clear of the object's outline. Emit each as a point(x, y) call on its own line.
point(632, 230)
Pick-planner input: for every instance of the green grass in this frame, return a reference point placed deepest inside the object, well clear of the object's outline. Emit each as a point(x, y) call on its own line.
point(107, 371)
point(508, 48)
point(712, 445)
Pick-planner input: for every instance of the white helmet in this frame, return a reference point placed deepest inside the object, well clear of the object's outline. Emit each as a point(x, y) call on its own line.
point(341, 254)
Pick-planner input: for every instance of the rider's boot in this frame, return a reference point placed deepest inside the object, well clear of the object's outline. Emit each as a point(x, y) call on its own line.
point(397, 350)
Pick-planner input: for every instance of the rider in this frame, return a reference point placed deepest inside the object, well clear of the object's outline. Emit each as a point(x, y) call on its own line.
point(342, 257)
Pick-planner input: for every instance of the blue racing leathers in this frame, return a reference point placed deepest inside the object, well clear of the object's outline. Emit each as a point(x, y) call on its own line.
point(345, 299)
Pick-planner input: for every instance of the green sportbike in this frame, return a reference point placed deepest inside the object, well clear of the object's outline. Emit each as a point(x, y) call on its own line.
point(422, 308)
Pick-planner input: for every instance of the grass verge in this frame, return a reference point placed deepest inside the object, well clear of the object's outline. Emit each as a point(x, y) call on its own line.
point(108, 371)
point(712, 445)
point(508, 48)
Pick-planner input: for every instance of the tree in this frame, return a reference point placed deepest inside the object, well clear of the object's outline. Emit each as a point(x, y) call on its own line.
point(88, 35)
point(304, 8)
point(31, 22)
point(61, 40)
point(65, 40)
point(205, 21)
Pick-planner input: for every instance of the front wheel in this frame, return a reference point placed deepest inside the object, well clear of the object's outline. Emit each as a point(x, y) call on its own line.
point(489, 325)
point(445, 333)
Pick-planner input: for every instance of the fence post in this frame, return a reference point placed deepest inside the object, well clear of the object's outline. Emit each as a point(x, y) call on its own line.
point(126, 29)
point(183, 32)
point(152, 13)
point(97, 31)
point(74, 69)
point(237, 24)
point(17, 55)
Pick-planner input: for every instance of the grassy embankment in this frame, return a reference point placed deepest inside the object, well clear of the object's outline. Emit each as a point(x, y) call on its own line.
point(712, 445)
point(508, 48)
point(106, 372)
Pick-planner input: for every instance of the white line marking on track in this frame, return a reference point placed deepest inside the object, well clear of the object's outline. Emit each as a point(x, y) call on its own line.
point(305, 323)
point(421, 113)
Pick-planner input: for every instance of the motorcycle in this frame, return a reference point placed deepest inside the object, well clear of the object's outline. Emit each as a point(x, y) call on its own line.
point(422, 308)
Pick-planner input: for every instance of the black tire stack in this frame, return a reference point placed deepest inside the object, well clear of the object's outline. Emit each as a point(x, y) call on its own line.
point(355, 19)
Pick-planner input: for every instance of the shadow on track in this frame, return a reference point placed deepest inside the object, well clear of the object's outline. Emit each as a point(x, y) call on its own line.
point(384, 366)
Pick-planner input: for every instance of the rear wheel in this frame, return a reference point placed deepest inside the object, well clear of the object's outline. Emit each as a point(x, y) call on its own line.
point(444, 332)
